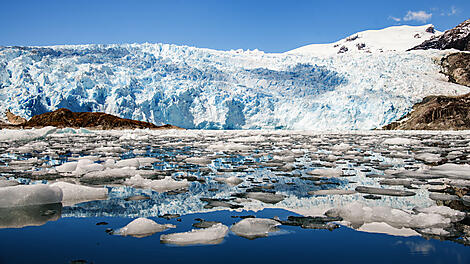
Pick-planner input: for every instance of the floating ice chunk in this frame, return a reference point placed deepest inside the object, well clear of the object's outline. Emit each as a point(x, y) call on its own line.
point(341, 147)
point(125, 172)
point(164, 185)
point(109, 149)
point(328, 173)
point(134, 162)
point(6, 183)
point(23, 195)
point(252, 228)
point(271, 198)
point(7, 135)
point(198, 160)
point(452, 170)
point(133, 136)
point(454, 215)
point(380, 191)
point(74, 193)
point(127, 163)
point(435, 231)
point(232, 180)
point(67, 167)
point(229, 147)
point(400, 141)
point(332, 192)
point(142, 227)
point(207, 236)
point(443, 197)
point(87, 165)
point(358, 214)
point(428, 157)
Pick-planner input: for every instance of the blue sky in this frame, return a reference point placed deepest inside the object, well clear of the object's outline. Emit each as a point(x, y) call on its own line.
point(272, 26)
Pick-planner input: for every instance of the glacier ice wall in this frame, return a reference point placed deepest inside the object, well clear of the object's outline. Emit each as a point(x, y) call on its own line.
point(209, 89)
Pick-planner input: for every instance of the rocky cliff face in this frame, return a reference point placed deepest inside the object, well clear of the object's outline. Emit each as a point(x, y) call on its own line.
point(457, 67)
point(66, 118)
point(437, 113)
point(14, 119)
point(456, 38)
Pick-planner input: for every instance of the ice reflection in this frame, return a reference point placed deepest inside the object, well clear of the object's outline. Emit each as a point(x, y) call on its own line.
point(32, 215)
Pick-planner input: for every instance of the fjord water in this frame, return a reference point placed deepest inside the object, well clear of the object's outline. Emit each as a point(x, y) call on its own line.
point(389, 197)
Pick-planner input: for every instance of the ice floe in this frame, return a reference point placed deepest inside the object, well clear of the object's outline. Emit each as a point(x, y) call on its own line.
point(252, 228)
point(142, 227)
point(74, 193)
point(24, 195)
point(206, 236)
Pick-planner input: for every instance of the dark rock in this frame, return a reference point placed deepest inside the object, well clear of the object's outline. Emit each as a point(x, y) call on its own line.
point(169, 216)
point(101, 223)
point(204, 224)
point(310, 222)
point(212, 203)
point(437, 113)
point(456, 67)
point(372, 197)
point(456, 38)
point(66, 118)
point(137, 198)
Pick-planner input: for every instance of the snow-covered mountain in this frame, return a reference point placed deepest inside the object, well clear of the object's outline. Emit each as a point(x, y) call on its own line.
point(397, 38)
point(312, 87)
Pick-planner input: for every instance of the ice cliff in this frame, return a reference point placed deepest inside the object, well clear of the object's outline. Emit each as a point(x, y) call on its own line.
point(209, 89)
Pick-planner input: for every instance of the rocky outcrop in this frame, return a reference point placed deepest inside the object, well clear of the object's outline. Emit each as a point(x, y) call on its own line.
point(437, 113)
point(444, 112)
point(14, 119)
point(456, 38)
point(457, 67)
point(65, 118)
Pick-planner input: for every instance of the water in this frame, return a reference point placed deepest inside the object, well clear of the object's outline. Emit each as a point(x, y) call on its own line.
point(287, 167)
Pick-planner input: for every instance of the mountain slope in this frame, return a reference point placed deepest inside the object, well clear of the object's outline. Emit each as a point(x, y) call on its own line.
point(208, 89)
point(397, 38)
point(456, 38)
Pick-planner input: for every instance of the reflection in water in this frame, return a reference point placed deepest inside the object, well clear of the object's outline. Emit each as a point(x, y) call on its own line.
point(418, 247)
point(32, 215)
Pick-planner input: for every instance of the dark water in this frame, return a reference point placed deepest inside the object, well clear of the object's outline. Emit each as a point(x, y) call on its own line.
point(80, 239)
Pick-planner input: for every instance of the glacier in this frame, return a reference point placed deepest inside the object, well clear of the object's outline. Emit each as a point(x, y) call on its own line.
point(200, 88)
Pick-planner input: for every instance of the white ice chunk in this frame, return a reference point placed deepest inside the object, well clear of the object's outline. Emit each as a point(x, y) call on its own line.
point(6, 183)
point(7, 135)
point(232, 180)
point(357, 214)
point(254, 227)
point(265, 197)
point(74, 193)
point(23, 195)
point(400, 141)
point(198, 160)
point(328, 173)
point(429, 157)
point(67, 167)
point(207, 236)
point(142, 227)
point(332, 192)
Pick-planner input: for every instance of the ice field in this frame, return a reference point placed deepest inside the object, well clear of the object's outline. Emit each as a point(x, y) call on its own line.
point(402, 184)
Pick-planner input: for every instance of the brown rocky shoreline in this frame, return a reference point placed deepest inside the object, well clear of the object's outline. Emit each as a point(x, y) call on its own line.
point(62, 118)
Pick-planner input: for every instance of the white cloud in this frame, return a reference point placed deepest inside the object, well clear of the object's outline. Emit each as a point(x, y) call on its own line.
point(420, 16)
point(453, 11)
point(396, 19)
